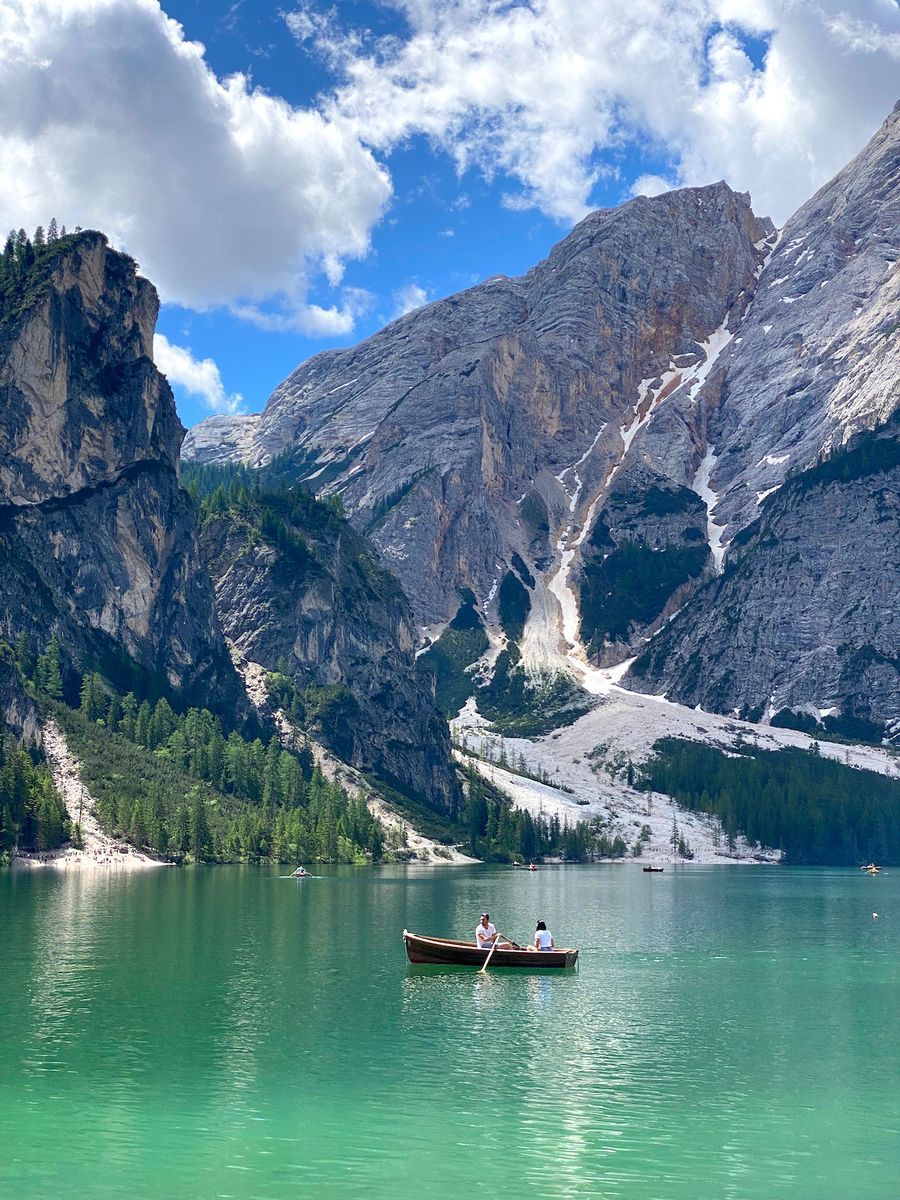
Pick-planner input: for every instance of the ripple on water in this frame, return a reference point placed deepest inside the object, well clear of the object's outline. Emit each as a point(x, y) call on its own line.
point(196, 1037)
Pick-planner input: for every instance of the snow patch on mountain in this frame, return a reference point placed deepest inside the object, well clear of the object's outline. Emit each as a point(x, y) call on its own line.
point(714, 531)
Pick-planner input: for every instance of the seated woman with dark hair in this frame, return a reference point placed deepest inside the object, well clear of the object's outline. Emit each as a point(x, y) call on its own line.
point(543, 939)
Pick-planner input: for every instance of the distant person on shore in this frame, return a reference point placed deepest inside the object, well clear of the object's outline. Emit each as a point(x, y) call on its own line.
point(543, 938)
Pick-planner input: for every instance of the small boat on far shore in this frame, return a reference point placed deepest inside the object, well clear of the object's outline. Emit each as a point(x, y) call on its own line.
point(447, 952)
point(652, 870)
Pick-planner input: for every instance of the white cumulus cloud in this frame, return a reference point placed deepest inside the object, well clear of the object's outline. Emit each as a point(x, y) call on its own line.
point(651, 185)
point(552, 92)
point(408, 297)
point(199, 376)
point(110, 118)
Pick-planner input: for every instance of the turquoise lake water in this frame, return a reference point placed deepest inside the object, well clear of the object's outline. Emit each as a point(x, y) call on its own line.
point(730, 1032)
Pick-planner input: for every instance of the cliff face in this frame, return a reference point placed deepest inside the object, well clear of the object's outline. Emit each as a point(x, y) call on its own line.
point(225, 438)
point(817, 357)
point(438, 429)
point(17, 712)
point(97, 541)
point(313, 603)
point(586, 446)
point(805, 616)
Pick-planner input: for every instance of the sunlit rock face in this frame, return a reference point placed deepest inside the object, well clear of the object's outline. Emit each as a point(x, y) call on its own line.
point(806, 614)
point(435, 429)
point(617, 420)
point(221, 439)
point(98, 541)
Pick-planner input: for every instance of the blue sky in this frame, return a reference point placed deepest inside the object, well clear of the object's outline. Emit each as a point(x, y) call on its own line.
point(293, 175)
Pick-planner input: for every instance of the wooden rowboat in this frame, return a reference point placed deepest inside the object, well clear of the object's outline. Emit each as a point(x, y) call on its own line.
point(446, 952)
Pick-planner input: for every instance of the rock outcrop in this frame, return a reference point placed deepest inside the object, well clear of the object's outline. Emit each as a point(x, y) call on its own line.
point(805, 618)
point(225, 438)
point(97, 540)
point(17, 711)
point(300, 592)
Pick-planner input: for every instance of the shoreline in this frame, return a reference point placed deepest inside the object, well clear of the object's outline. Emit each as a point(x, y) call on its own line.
point(100, 852)
point(129, 859)
point(67, 857)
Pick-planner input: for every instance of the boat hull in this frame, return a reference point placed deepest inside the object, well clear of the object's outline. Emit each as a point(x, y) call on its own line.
point(445, 952)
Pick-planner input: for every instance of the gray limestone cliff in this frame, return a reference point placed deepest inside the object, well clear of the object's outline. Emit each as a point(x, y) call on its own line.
point(613, 422)
point(436, 430)
point(817, 357)
point(97, 540)
point(225, 438)
point(806, 616)
point(17, 710)
point(812, 575)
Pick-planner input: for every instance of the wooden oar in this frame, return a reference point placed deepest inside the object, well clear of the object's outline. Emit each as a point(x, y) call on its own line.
point(494, 947)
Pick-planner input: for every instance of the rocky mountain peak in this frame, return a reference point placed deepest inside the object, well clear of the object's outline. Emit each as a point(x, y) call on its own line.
point(433, 429)
point(577, 449)
point(98, 541)
point(83, 401)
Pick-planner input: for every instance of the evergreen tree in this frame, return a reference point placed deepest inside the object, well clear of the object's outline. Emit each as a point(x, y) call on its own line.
point(128, 724)
point(142, 725)
point(137, 830)
point(180, 836)
point(201, 840)
point(271, 795)
point(162, 724)
point(93, 697)
point(8, 830)
point(49, 676)
point(25, 660)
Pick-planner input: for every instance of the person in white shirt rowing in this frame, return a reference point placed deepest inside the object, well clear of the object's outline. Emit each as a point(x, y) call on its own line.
point(486, 935)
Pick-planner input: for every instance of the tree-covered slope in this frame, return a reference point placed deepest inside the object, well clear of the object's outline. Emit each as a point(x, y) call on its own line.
point(301, 592)
point(180, 786)
point(815, 809)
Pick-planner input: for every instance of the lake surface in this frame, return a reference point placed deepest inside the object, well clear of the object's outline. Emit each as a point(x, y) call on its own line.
point(731, 1032)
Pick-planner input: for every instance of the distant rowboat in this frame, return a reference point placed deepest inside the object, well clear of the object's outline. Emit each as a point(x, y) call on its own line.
point(449, 953)
point(651, 870)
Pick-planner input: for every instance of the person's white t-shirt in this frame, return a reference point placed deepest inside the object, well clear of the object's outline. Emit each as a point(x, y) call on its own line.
point(482, 932)
point(544, 939)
